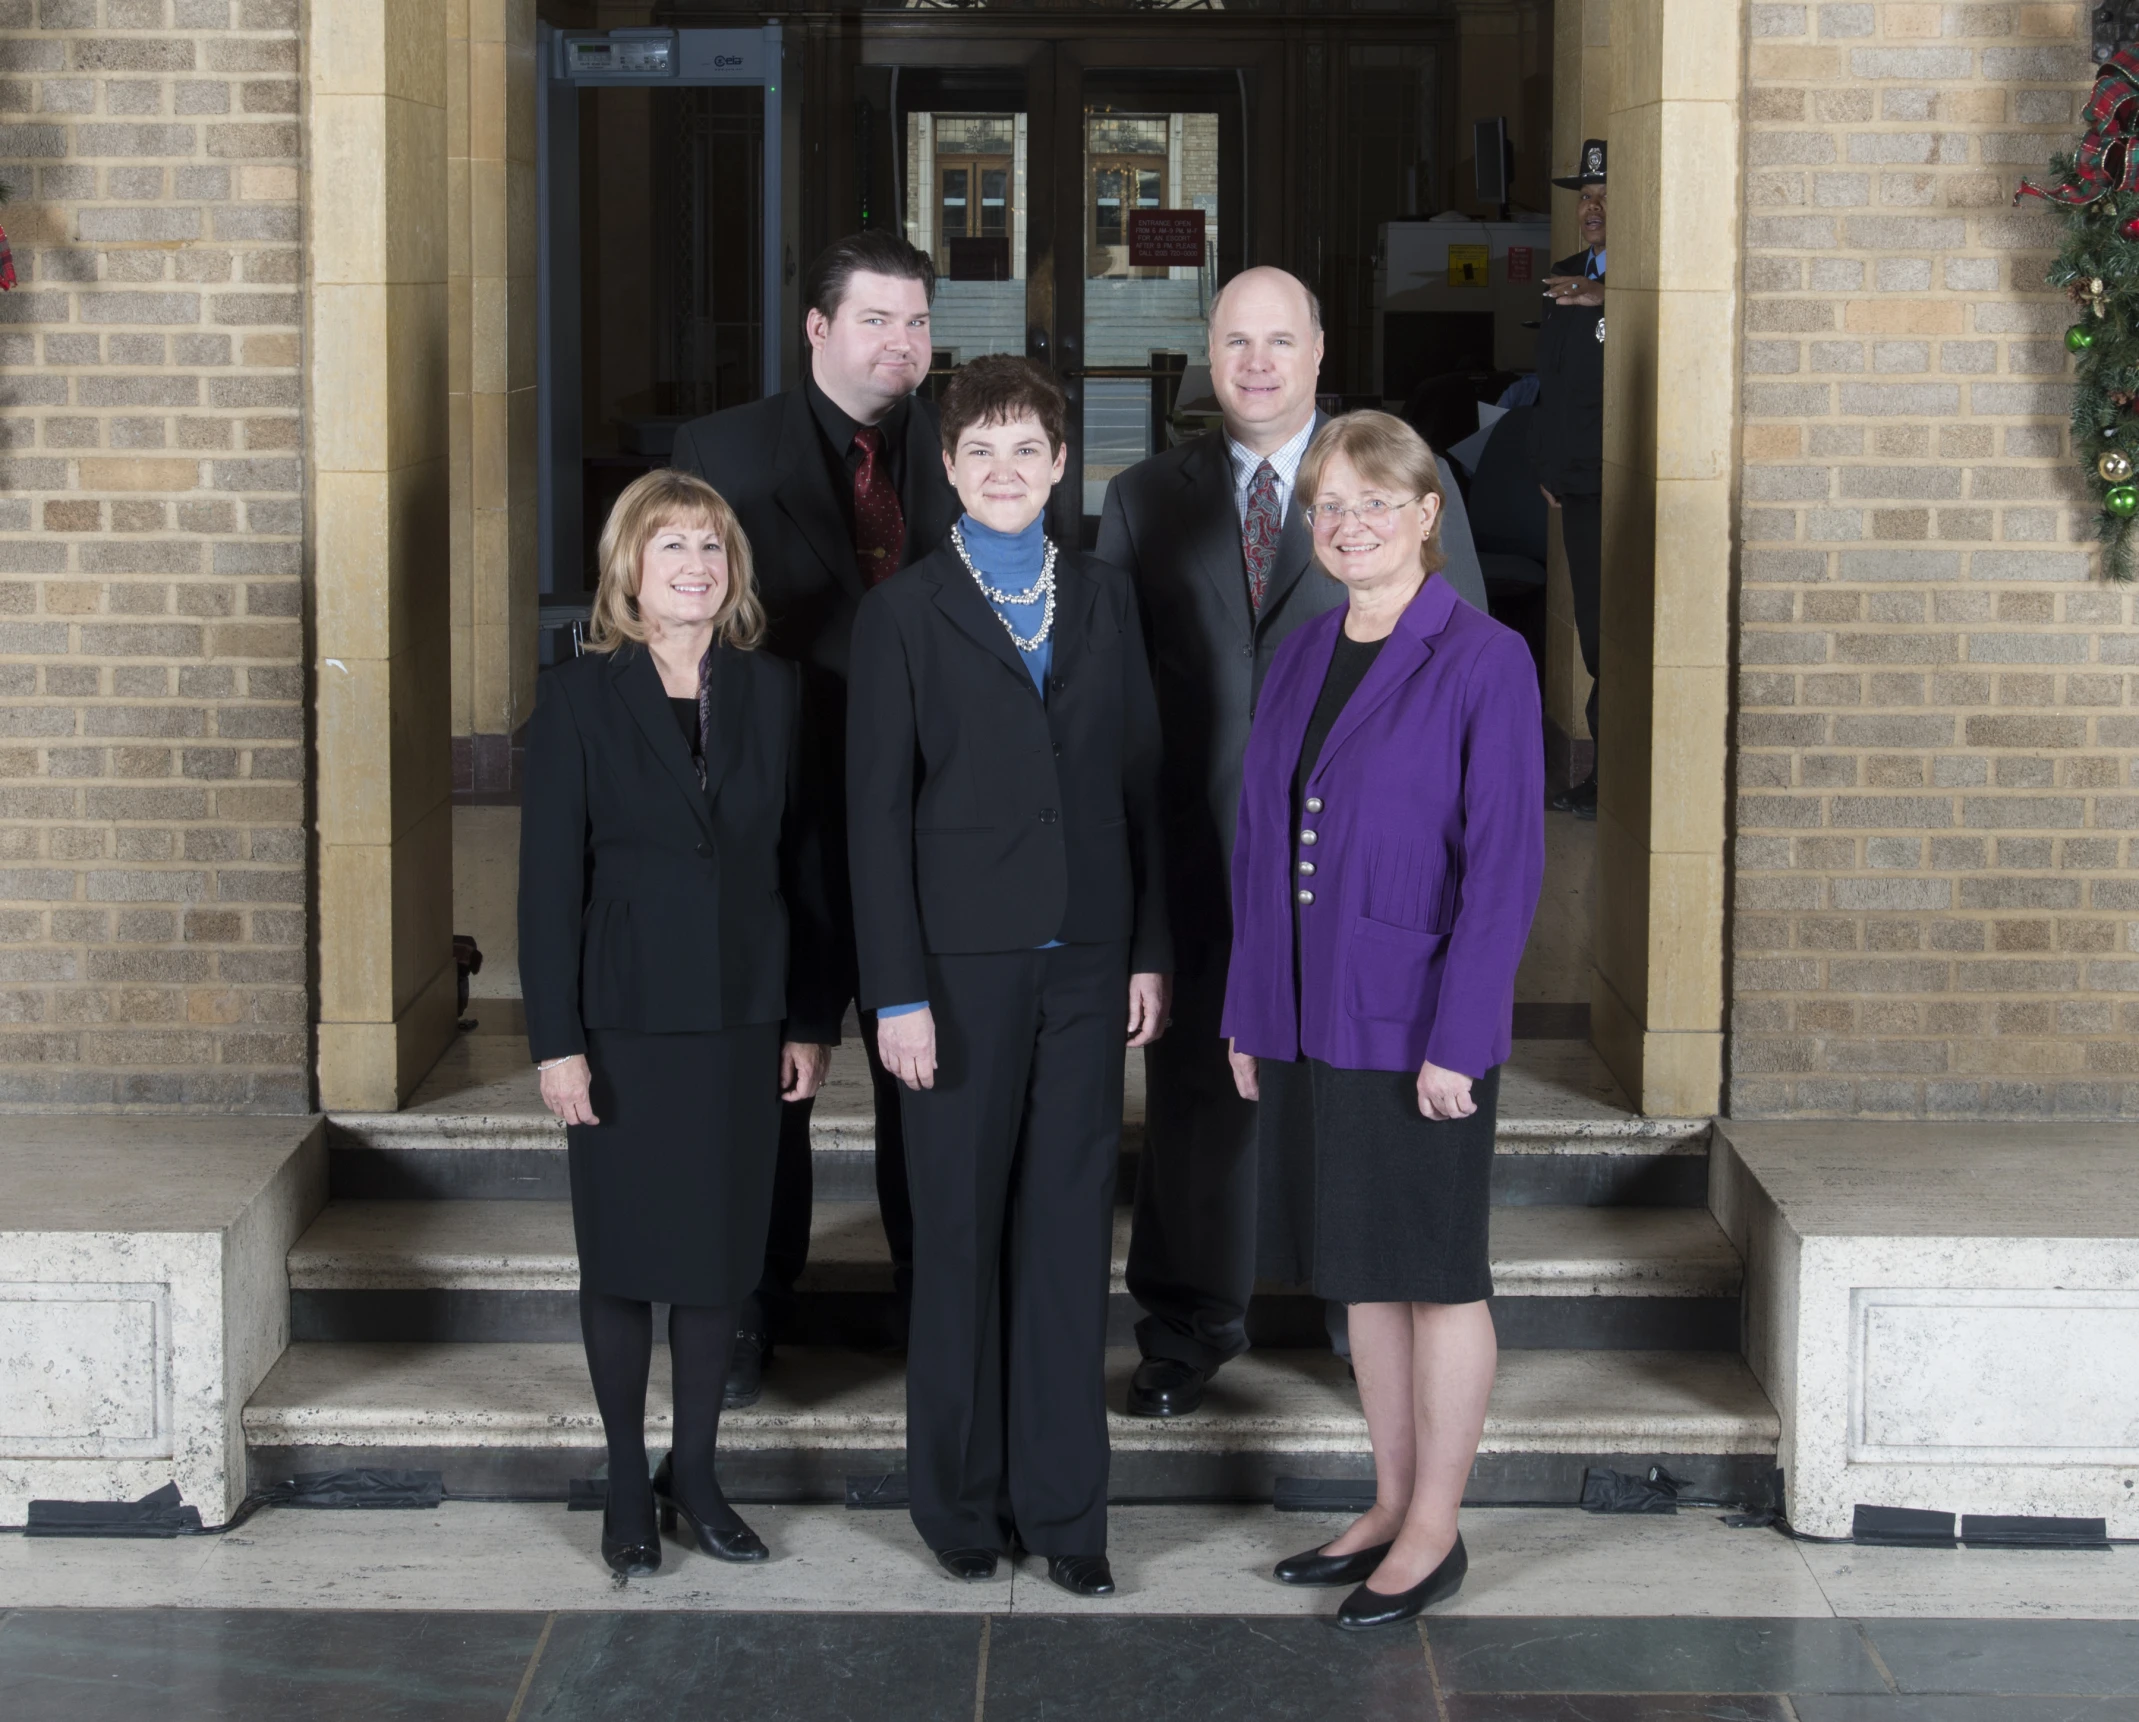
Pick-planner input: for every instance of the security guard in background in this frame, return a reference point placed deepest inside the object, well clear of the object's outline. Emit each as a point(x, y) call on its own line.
point(1567, 433)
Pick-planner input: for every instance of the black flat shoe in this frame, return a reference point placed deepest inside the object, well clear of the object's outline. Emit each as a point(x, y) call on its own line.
point(1315, 1567)
point(740, 1544)
point(1367, 1608)
point(971, 1565)
point(635, 1556)
point(1082, 1575)
point(746, 1370)
point(1166, 1387)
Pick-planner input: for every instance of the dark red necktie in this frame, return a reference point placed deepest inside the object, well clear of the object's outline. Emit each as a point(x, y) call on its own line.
point(1259, 531)
point(879, 521)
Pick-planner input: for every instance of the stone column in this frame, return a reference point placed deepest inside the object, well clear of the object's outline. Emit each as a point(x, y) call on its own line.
point(377, 221)
point(1671, 313)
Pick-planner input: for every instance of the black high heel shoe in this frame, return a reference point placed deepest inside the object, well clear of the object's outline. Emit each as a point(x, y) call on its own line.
point(1315, 1567)
point(1367, 1608)
point(629, 1557)
point(741, 1544)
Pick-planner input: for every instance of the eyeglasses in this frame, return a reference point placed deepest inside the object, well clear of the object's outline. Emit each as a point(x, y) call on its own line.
point(1373, 513)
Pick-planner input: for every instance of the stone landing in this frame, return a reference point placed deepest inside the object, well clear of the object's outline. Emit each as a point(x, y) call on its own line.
point(1946, 1316)
point(144, 1295)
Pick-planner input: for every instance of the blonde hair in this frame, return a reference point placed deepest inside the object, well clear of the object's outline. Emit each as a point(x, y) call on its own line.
point(1386, 452)
point(649, 505)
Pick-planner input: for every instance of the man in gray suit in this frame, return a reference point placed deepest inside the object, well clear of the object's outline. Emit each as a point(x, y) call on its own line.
point(1224, 570)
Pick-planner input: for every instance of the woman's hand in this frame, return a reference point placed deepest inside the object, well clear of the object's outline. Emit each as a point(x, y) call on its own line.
point(567, 1090)
point(802, 1068)
point(907, 1045)
point(1150, 999)
point(1243, 1073)
point(1444, 1093)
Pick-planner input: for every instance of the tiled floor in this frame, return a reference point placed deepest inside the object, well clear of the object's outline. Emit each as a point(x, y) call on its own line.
point(504, 1612)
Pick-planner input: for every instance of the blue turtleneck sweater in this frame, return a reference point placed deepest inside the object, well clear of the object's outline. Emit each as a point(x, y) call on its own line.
point(1012, 562)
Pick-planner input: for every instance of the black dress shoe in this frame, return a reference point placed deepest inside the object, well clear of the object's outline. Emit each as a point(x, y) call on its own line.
point(1166, 1387)
point(733, 1542)
point(1082, 1575)
point(972, 1565)
point(1367, 1608)
point(1315, 1567)
point(1580, 799)
point(746, 1370)
point(636, 1555)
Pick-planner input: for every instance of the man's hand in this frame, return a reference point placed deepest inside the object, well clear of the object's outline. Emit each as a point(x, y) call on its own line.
point(1243, 1073)
point(1444, 1093)
point(802, 1068)
point(1150, 998)
point(1574, 290)
point(907, 1045)
point(567, 1090)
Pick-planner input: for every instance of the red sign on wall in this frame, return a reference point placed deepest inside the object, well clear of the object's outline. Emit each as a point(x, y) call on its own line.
point(1165, 238)
point(1518, 263)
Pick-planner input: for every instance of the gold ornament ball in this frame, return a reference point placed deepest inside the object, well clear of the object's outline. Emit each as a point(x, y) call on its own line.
point(2115, 466)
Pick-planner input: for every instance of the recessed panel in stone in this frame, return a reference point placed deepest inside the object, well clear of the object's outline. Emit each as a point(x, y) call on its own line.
point(85, 1371)
point(1947, 1376)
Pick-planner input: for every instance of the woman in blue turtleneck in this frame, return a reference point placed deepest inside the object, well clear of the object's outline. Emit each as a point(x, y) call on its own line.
point(1002, 799)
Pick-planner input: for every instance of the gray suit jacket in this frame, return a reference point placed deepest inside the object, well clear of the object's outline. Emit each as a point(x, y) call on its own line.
point(1170, 522)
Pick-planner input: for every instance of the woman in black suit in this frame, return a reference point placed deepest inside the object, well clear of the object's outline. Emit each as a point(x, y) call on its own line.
point(673, 939)
point(1002, 801)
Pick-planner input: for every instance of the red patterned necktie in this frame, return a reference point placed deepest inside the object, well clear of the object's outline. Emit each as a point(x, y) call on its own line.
point(1259, 529)
point(879, 521)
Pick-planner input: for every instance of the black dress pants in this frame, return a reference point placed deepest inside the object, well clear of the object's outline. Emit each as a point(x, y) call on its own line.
point(1192, 1249)
point(1011, 1159)
point(1582, 533)
point(787, 1240)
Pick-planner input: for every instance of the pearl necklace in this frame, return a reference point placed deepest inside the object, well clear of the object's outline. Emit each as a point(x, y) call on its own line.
point(1044, 587)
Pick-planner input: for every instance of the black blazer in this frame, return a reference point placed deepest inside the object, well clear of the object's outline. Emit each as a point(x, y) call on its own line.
point(980, 818)
point(647, 903)
point(1172, 524)
point(768, 459)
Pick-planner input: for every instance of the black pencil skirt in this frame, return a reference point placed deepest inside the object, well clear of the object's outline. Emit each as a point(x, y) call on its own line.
point(1362, 1198)
point(672, 1189)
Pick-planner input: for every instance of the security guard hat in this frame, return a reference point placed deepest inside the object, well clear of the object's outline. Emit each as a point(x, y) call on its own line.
point(1591, 171)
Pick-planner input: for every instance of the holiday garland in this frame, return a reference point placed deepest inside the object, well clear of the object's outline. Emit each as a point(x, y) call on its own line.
point(2097, 191)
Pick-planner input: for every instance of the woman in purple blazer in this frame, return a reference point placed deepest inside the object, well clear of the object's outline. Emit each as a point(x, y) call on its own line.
point(1390, 846)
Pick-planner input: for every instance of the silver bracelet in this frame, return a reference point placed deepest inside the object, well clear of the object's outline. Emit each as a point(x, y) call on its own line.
point(553, 1063)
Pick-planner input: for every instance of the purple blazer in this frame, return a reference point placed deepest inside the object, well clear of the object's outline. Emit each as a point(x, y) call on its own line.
point(1429, 846)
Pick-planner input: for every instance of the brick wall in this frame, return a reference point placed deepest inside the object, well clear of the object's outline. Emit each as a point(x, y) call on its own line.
point(153, 884)
point(1934, 908)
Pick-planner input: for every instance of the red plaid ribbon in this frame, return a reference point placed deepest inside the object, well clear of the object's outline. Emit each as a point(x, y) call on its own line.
point(2105, 160)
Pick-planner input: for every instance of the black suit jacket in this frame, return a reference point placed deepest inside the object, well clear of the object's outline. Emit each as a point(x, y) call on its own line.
point(647, 903)
point(1567, 430)
point(980, 817)
point(1172, 523)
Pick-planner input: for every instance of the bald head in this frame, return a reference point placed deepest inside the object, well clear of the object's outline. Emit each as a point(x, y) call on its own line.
point(1266, 352)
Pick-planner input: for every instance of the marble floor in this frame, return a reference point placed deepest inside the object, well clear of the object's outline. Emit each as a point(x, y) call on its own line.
point(503, 1612)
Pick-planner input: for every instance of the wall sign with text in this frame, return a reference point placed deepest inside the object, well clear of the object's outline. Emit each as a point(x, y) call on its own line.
point(1165, 238)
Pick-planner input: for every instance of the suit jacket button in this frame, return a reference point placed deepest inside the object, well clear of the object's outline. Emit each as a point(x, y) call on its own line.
point(1248, 651)
point(1307, 866)
point(1047, 816)
point(1307, 896)
point(1307, 837)
point(1314, 804)
point(705, 849)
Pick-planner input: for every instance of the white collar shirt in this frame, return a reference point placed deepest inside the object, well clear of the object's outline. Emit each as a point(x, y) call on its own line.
point(1285, 462)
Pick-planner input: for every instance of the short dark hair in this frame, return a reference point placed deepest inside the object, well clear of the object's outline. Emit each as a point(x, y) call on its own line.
point(997, 389)
point(824, 284)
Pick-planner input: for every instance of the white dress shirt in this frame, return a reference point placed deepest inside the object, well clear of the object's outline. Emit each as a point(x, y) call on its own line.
point(1285, 462)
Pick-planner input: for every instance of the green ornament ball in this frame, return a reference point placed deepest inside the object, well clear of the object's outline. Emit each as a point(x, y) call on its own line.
point(2078, 338)
point(2115, 466)
point(2122, 501)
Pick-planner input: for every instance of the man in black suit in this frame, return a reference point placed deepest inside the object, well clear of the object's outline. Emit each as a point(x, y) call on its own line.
point(1567, 433)
point(838, 484)
point(1224, 571)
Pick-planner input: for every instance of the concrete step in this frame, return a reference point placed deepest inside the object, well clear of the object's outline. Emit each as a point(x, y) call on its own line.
point(499, 1271)
point(476, 1130)
point(519, 1420)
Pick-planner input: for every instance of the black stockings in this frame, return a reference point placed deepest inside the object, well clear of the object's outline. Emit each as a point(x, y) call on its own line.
point(619, 1332)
